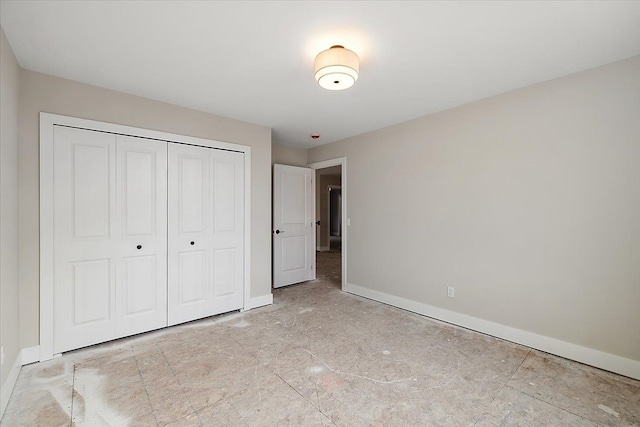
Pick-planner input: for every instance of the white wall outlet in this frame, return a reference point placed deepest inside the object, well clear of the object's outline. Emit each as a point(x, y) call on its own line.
point(451, 292)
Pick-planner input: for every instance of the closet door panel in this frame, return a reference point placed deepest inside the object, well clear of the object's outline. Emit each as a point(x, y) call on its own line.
point(227, 239)
point(189, 229)
point(206, 232)
point(141, 290)
point(85, 253)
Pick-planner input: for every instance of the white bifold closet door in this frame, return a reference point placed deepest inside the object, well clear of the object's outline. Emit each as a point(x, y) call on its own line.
point(110, 239)
point(206, 232)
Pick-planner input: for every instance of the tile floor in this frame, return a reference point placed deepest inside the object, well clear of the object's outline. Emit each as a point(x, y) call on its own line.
point(318, 357)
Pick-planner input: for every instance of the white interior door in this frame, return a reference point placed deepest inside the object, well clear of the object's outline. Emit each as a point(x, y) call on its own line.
point(206, 232)
point(293, 225)
point(141, 282)
point(110, 242)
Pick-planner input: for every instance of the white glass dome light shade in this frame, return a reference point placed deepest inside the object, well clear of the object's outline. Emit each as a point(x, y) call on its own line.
point(337, 68)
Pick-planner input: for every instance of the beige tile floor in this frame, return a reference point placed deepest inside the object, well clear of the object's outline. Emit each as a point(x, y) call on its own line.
point(318, 357)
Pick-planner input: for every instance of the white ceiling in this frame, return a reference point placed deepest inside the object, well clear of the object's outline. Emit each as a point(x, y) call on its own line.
point(253, 61)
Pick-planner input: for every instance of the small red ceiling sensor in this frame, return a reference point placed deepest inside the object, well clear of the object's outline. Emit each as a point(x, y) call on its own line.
point(315, 135)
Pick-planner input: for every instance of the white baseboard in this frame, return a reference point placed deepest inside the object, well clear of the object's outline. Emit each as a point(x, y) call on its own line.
point(589, 356)
point(323, 248)
point(8, 386)
point(30, 355)
point(259, 301)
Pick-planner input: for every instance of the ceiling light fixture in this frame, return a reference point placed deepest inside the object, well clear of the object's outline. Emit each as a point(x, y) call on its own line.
point(337, 68)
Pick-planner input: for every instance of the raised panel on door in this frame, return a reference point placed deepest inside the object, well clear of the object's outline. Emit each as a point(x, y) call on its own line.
point(84, 250)
point(141, 285)
point(90, 285)
point(293, 197)
point(294, 254)
point(293, 231)
point(90, 187)
point(227, 239)
point(138, 287)
point(193, 272)
point(189, 232)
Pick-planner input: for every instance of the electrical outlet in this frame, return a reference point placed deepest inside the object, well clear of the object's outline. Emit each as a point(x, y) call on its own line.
point(451, 292)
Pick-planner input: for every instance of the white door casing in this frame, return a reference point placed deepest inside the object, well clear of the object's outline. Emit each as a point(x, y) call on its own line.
point(109, 197)
point(206, 239)
point(293, 225)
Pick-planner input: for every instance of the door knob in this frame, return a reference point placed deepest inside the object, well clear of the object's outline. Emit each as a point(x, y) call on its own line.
point(193, 243)
point(278, 231)
point(139, 247)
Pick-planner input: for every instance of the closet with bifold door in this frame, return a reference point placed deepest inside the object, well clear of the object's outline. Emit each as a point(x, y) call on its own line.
point(147, 233)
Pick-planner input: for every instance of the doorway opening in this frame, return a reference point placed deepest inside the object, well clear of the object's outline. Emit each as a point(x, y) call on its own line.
point(331, 221)
point(335, 217)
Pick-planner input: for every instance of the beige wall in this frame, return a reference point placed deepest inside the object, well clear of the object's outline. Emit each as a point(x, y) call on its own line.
point(50, 94)
point(9, 291)
point(528, 203)
point(285, 155)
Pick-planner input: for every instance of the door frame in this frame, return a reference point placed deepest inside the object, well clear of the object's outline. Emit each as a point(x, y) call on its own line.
point(47, 123)
point(342, 162)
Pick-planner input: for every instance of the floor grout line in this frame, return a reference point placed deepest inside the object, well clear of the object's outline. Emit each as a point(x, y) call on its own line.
point(555, 406)
point(146, 392)
point(304, 398)
point(509, 379)
point(73, 393)
point(175, 378)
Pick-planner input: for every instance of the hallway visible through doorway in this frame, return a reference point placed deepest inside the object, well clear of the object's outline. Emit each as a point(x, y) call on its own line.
point(329, 264)
point(330, 227)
